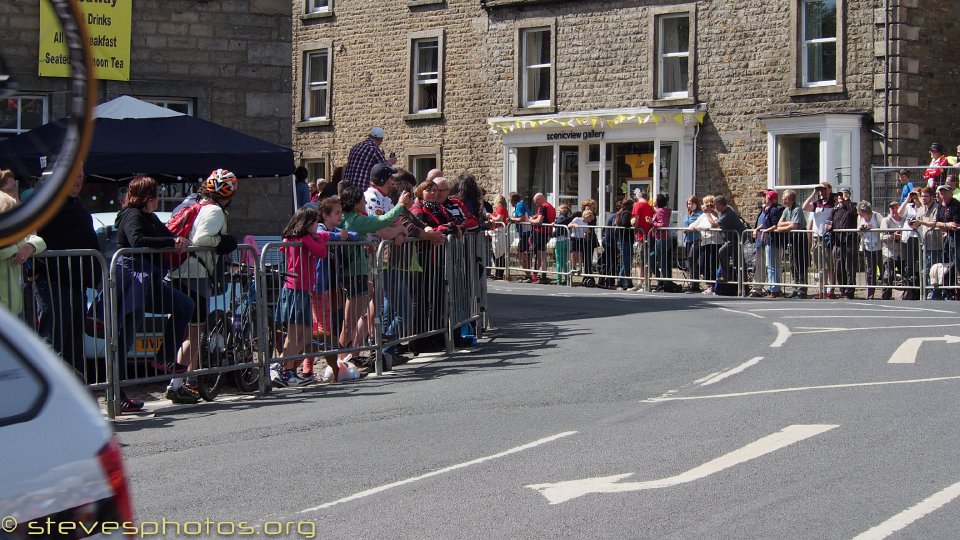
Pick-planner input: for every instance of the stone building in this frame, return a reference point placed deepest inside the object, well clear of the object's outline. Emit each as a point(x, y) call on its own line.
point(594, 98)
point(226, 61)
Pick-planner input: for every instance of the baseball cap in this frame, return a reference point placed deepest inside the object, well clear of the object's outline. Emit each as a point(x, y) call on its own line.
point(381, 171)
point(944, 188)
point(826, 185)
point(936, 147)
point(377, 132)
point(770, 193)
point(893, 204)
point(845, 190)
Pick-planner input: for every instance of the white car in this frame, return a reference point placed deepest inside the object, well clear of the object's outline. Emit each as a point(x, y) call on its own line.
point(61, 465)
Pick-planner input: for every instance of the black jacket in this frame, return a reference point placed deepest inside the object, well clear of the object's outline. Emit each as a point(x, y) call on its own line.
point(70, 228)
point(139, 229)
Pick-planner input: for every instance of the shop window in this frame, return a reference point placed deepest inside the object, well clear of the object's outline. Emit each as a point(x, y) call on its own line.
point(182, 106)
point(806, 151)
point(819, 42)
point(22, 113)
point(316, 85)
point(533, 171)
point(673, 56)
point(536, 77)
point(426, 73)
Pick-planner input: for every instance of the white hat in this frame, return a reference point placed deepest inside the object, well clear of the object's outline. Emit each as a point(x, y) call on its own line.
point(377, 132)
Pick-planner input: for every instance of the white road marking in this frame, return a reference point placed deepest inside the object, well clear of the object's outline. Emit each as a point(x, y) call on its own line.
point(783, 334)
point(799, 389)
point(741, 312)
point(892, 310)
point(908, 516)
point(721, 376)
point(560, 492)
point(862, 317)
point(385, 487)
point(816, 330)
point(906, 353)
point(700, 380)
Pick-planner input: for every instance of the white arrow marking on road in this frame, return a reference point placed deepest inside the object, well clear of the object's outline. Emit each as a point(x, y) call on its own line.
point(906, 353)
point(783, 334)
point(560, 492)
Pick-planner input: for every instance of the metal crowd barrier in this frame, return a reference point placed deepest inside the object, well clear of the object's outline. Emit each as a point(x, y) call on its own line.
point(165, 309)
point(465, 275)
point(60, 291)
point(409, 293)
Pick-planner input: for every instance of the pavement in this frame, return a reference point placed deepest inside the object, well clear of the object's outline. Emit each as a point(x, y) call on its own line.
point(599, 414)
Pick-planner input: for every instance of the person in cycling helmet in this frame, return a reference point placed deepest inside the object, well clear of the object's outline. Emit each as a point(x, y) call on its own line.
point(198, 275)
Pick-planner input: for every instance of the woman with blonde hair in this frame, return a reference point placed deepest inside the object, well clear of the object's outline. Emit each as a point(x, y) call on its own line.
point(12, 258)
point(498, 220)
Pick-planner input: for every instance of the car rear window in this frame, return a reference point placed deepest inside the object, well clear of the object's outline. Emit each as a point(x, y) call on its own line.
point(22, 388)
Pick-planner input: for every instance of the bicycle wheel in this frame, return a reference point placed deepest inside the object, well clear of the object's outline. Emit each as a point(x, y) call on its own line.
point(214, 353)
point(246, 380)
point(64, 162)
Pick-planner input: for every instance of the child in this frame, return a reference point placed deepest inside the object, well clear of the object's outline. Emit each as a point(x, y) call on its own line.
point(326, 299)
point(293, 307)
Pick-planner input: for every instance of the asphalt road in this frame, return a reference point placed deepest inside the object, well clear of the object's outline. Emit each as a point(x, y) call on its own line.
point(595, 414)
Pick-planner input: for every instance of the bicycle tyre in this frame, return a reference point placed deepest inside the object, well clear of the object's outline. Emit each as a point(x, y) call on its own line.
point(214, 354)
point(245, 348)
point(78, 132)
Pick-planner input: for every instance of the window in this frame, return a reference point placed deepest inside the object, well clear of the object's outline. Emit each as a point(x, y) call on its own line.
point(819, 42)
point(183, 106)
point(316, 85)
point(426, 76)
point(22, 113)
point(673, 56)
point(316, 170)
point(421, 165)
point(536, 68)
point(809, 150)
point(319, 6)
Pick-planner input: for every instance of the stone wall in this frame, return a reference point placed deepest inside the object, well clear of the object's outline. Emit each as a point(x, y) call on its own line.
point(230, 57)
point(743, 74)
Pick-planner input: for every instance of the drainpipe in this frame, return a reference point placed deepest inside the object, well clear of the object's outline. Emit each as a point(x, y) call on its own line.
point(886, 82)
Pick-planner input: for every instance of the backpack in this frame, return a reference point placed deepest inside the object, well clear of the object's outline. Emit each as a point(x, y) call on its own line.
point(181, 224)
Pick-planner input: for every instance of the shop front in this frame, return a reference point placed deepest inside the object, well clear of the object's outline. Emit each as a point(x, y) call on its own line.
point(600, 155)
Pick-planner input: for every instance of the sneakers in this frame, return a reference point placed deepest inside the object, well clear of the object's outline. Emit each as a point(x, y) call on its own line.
point(292, 379)
point(128, 405)
point(183, 395)
point(276, 376)
point(708, 290)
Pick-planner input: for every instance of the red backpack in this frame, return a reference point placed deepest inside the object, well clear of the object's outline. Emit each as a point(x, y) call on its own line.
point(181, 224)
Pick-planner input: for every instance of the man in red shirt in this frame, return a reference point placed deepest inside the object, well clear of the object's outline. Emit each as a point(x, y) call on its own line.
point(542, 231)
point(641, 217)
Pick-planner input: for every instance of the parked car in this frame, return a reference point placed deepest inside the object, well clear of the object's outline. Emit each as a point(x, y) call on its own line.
point(60, 459)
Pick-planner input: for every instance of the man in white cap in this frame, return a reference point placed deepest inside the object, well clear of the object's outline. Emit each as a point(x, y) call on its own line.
point(363, 156)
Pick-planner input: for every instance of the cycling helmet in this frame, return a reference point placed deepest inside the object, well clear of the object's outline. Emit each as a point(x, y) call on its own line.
point(221, 182)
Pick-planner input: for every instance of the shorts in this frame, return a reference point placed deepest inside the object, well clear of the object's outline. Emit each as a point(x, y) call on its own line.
point(540, 240)
point(821, 255)
point(356, 285)
point(293, 307)
point(524, 245)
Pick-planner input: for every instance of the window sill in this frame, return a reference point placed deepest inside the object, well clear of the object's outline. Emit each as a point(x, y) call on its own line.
point(817, 90)
point(313, 123)
point(412, 117)
point(673, 102)
point(315, 16)
point(418, 3)
point(547, 109)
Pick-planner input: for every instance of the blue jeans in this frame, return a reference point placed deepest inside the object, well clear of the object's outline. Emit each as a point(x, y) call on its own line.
point(162, 299)
point(773, 266)
point(397, 302)
point(626, 260)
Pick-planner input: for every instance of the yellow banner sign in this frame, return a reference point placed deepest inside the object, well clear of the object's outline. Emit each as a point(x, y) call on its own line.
point(108, 23)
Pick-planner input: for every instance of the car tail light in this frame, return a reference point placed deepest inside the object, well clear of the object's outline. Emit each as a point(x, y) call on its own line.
point(112, 463)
